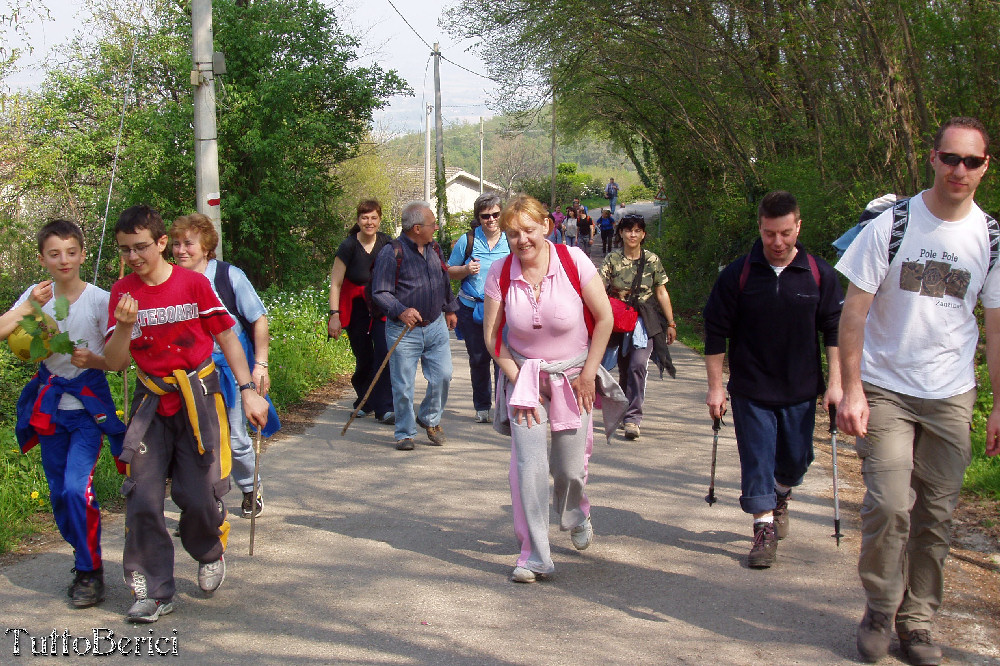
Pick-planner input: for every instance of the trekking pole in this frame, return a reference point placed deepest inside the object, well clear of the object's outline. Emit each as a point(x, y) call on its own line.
point(256, 487)
point(716, 426)
point(836, 497)
point(378, 374)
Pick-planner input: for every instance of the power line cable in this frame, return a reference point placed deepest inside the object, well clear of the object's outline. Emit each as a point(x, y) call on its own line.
point(410, 26)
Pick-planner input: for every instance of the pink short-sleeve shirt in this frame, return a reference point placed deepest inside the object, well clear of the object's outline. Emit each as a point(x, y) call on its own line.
point(551, 329)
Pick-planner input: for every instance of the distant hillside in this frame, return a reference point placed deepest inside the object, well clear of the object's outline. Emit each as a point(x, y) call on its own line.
point(513, 155)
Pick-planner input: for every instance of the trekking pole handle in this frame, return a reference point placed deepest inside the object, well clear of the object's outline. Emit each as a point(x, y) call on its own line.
point(717, 424)
point(833, 419)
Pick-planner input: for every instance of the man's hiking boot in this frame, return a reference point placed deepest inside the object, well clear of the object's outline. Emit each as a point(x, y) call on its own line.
point(211, 574)
point(781, 514)
point(919, 648)
point(404, 444)
point(434, 433)
point(249, 505)
point(87, 588)
point(873, 636)
point(149, 610)
point(765, 546)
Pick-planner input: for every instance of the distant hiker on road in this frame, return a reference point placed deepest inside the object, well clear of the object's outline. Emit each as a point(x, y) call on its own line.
point(908, 339)
point(193, 243)
point(571, 226)
point(350, 311)
point(67, 405)
point(636, 276)
point(585, 227)
point(771, 306)
point(470, 263)
point(611, 194)
point(410, 284)
point(166, 316)
point(551, 373)
point(607, 226)
point(557, 230)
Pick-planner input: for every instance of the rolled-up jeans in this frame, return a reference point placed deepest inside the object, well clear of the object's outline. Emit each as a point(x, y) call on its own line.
point(430, 345)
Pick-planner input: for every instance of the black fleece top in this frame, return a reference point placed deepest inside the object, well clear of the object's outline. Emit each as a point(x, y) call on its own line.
point(772, 325)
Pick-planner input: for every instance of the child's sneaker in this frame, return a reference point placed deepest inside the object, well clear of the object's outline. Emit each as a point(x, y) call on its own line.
point(148, 610)
point(211, 574)
point(87, 588)
point(249, 505)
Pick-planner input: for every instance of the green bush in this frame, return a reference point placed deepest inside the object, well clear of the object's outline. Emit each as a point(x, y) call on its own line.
point(301, 359)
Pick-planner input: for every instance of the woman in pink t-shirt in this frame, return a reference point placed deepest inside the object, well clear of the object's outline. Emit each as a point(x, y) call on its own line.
point(551, 371)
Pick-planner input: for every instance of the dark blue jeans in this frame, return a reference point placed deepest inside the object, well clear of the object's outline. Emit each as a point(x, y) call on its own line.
point(775, 445)
point(479, 358)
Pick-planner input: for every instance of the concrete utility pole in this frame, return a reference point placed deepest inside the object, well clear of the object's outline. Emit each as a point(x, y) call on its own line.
point(439, 143)
point(482, 132)
point(427, 152)
point(206, 144)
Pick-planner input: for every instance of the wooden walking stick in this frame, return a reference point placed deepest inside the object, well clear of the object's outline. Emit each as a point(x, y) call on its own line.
point(121, 274)
point(256, 487)
point(716, 427)
point(375, 380)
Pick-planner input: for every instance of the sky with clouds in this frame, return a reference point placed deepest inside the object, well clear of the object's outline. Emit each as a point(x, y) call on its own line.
point(385, 38)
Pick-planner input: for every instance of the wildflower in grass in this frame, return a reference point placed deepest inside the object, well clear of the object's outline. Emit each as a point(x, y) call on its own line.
point(34, 494)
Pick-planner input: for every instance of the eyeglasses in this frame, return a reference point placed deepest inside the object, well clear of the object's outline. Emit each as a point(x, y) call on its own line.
point(970, 161)
point(125, 250)
point(490, 216)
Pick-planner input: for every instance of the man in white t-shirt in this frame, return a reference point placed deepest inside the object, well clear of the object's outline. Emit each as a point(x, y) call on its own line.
point(908, 337)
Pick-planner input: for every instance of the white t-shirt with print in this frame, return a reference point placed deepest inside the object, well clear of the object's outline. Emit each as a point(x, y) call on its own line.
point(921, 334)
point(87, 321)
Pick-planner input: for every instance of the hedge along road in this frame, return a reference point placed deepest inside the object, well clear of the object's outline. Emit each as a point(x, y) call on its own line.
point(365, 554)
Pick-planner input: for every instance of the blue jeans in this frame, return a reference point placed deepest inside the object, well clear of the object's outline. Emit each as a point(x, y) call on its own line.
point(775, 445)
point(479, 358)
point(430, 345)
point(614, 204)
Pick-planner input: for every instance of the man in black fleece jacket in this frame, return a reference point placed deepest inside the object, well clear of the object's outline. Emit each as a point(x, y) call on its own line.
point(771, 305)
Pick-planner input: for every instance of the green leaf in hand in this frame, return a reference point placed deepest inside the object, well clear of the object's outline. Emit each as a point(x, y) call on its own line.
point(30, 325)
point(62, 308)
point(61, 344)
point(37, 349)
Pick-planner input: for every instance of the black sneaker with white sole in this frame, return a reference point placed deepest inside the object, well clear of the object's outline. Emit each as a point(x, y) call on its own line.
point(248, 504)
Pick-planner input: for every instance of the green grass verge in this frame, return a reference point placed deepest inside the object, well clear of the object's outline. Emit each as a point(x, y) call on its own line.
point(301, 359)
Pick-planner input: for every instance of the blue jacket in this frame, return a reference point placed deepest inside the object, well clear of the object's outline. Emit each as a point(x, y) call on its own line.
point(39, 402)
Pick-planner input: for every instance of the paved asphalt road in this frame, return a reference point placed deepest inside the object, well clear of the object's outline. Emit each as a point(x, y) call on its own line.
point(369, 555)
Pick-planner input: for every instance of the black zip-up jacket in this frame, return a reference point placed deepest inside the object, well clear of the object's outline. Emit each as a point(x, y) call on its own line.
point(772, 325)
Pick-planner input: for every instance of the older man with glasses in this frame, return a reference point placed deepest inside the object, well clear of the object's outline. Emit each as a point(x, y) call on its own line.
point(410, 285)
point(469, 262)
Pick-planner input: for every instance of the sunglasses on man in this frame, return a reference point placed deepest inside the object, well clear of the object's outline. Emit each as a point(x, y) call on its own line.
point(970, 161)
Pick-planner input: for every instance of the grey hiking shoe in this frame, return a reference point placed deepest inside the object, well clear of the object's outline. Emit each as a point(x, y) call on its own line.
point(149, 610)
point(873, 636)
point(764, 551)
point(87, 588)
point(484, 416)
point(211, 574)
point(582, 535)
point(389, 418)
point(781, 514)
point(919, 648)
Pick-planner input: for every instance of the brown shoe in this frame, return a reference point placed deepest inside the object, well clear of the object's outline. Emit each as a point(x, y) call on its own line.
point(404, 444)
point(781, 515)
point(434, 433)
point(919, 648)
point(873, 636)
point(765, 546)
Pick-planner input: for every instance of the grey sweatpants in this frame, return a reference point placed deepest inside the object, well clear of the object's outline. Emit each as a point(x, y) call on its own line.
point(169, 449)
point(532, 460)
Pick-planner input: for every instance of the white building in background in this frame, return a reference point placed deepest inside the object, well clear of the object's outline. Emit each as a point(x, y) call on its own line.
point(461, 188)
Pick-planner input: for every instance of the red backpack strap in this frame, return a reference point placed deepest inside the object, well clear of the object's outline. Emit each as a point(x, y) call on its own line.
point(504, 286)
point(814, 269)
point(566, 259)
point(744, 273)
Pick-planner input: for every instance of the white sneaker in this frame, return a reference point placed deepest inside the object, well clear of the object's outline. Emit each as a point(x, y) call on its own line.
point(211, 574)
point(581, 535)
point(484, 416)
point(523, 575)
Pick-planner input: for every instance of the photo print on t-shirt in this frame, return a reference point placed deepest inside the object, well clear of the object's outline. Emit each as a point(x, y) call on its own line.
point(934, 278)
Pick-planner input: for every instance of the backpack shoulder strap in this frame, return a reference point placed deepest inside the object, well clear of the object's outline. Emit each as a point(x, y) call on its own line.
point(993, 228)
point(566, 260)
point(814, 268)
point(504, 286)
point(224, 287)
point(470, 238)
point(744, 272)
point(900, 218)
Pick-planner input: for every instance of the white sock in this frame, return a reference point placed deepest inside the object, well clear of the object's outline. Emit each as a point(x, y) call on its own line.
point(769, 518)
point(782, 490)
